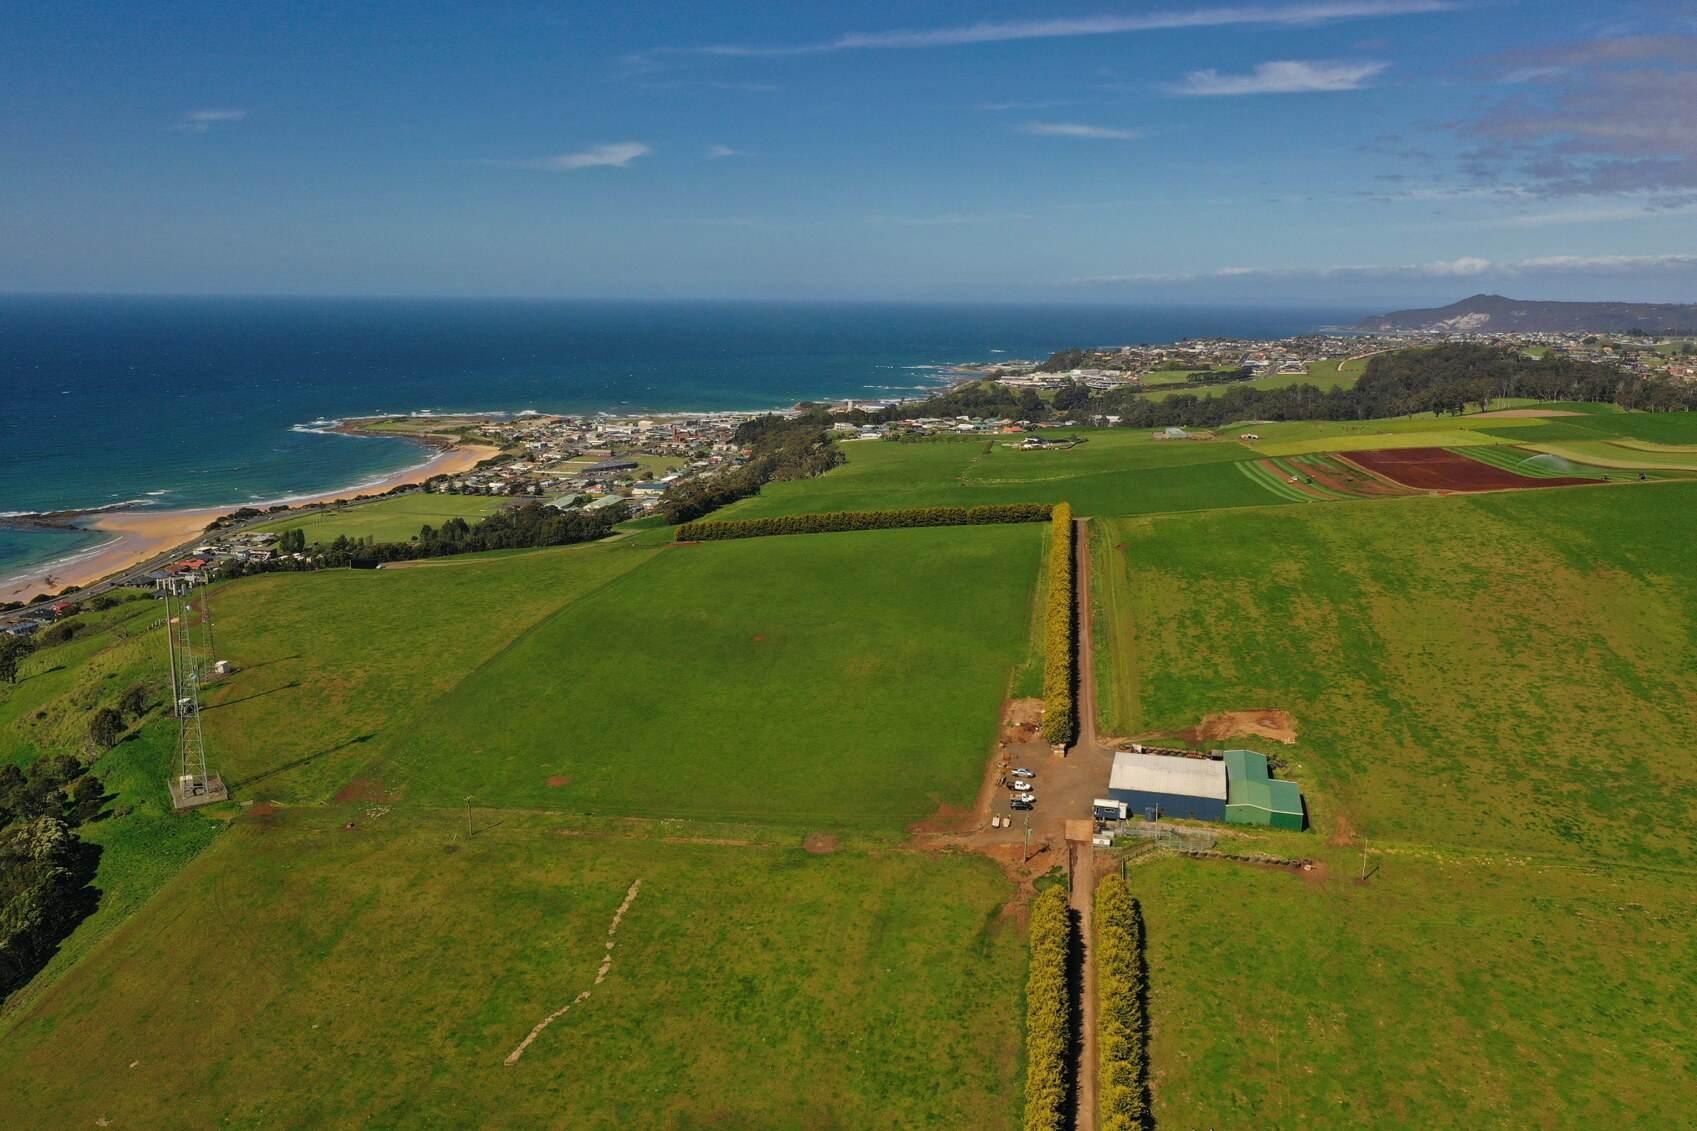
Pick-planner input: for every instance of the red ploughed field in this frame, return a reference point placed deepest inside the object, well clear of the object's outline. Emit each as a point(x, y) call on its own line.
point(1439, 469)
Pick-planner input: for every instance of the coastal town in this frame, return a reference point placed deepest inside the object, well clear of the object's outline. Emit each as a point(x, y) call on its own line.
point(595, 461)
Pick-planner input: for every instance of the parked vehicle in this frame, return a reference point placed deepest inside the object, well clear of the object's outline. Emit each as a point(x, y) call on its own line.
point(1023, 801)
point(1022, 772)
point(1020, 786)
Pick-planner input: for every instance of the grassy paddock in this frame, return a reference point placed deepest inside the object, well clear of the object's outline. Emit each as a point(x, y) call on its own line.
point(330, 661)
point(836, 679)
point(1455, 991)
point(306, 974)
point(395, 519)
point(1528, 653)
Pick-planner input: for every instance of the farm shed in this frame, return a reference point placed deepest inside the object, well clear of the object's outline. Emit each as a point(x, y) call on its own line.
point(1160, 786)
point(1253, 797)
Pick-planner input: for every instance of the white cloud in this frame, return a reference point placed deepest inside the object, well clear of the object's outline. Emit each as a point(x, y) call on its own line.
point(200, 121)
point(1289, 15)
point(617, 155)
point(1285, 76)
point(1080, 129)
point(1462, 267)
point(998, 107)
point(718, 152)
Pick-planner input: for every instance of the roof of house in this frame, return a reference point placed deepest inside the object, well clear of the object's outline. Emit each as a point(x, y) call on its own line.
point(1157, 773)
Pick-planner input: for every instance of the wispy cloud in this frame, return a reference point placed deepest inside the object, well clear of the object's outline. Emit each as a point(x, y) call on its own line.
point(720, 152)
point(946, 219)
point(1282, 15)
point(1284, 76)
point(616, 155)
point(1080, 129)
point(1462, 267)
point(1000, 107)
point(1607, 116)
point(200, 121)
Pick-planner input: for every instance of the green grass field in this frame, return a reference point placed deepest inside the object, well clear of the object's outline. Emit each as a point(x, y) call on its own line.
point(1496, 692)
point(833, 679)
point(395, 519)
point(305, 974)
point(1121, 471)
point(1453, 990)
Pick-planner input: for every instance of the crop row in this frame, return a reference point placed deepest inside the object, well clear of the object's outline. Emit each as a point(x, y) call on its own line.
point(1122, 994)
point(832, 522)
point(1060, 712)
point(1048, 1035)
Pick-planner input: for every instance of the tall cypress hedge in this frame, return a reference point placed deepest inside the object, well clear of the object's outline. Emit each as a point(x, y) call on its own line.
point(1060, 713)
point(1048, 1036)
point(1122, 1023)
point(835, 521)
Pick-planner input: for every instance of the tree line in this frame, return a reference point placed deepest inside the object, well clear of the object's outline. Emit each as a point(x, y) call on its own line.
point(46, 870)
point(1122, 1010)
point(1048, 1013)
point(780, 448)
point(1448, 378)
point(530, 526)
point(836, 521)
point(1060, 712)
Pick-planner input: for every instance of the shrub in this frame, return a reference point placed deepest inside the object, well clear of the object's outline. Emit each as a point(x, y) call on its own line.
point(837, 521)
point(1122, 1023)
point(1047, 1012)
point(1060, 714)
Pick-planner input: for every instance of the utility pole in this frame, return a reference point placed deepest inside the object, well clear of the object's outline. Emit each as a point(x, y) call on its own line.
point(1025, 854)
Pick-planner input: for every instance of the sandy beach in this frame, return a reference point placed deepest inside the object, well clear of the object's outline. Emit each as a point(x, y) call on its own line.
point(140, 535)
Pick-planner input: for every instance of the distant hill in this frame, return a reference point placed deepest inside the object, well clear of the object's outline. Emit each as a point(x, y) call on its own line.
point(1494, 312)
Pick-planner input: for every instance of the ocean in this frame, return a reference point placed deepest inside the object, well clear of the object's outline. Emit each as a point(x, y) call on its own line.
point(175, 401)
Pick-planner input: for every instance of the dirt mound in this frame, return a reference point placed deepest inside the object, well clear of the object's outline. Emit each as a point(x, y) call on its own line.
point(363, 789)
point(820, 844)
point(558, 780)
point(1263, 723)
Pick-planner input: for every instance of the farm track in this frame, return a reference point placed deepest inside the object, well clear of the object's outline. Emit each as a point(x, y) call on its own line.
point(1082, 870)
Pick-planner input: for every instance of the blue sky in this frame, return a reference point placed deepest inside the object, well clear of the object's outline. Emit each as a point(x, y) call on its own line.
point(1336, 150)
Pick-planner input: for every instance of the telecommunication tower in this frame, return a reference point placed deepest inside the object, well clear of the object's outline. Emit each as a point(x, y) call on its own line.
point(192, 785)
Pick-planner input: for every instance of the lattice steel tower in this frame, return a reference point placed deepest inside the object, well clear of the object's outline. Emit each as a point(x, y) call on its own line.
point(192, 785)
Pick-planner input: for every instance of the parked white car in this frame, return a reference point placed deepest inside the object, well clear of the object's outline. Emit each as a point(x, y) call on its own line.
point(1021, 787)
point(1022, 772)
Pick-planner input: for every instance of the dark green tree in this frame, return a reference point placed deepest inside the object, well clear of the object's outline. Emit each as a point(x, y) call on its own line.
point(105, 727)
point(13, 649)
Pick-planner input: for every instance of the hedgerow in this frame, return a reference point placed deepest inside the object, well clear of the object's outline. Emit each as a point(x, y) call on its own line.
point(1047, 1029)
point(1060, 714)
point(1122, 1023)
point(835, 521)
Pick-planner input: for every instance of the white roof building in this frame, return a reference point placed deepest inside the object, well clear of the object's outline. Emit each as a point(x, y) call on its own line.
point(1158, 773)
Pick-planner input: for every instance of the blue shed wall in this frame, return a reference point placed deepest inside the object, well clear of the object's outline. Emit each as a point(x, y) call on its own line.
point(1171, 804)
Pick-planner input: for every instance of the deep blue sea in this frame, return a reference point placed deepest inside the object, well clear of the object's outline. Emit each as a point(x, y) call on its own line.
point(200, 401)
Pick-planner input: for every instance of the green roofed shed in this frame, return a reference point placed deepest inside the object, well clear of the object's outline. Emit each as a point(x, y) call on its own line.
point(1253, 797)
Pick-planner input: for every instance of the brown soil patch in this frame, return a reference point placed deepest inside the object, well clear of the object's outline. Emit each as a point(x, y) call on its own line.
point(947, 819)
point(1264, 723)
point(1505, 413)
point(1439, 469)
point(760, 638)
point(820, 844)
point(262, 809)
point(1352, 480)
point(557, 780)
point(1316, 872)
point(363, 789)
point(1342, 832)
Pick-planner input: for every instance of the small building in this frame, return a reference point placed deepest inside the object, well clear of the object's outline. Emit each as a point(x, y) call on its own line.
point(1253, 797)
point(1156, 785)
